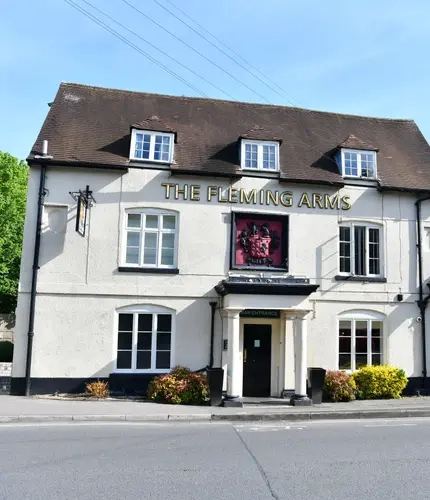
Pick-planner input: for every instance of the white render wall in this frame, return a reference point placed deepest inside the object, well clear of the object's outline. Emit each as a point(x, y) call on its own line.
point(79, 286)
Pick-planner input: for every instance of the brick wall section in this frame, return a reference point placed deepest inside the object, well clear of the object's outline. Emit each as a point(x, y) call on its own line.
point(5, 377)
point(7, 324)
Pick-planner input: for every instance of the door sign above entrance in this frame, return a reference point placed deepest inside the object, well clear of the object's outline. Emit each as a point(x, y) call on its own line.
point(260, 313)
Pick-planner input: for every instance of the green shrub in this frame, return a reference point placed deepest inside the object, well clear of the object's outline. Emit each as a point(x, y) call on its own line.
point(6, 351)
point(180, 386)
point(338, 387)
point(98, 389)
point(180, 372)
point(380, 382)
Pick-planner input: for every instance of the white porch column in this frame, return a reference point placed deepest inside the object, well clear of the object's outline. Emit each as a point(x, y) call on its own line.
point(300, 361)
point(234, 379)
point(283, 352)
point(287, 353)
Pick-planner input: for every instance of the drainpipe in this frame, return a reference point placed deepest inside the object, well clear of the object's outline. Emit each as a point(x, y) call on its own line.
point(422, 301)
point(213, 309)
point(30, 334)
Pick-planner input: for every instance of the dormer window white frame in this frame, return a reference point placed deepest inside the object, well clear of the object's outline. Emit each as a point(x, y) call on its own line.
point(359, 164)
point(260, 156)
point(150, 146)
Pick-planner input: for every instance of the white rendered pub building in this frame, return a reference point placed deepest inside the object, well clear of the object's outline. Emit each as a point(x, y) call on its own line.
point(165, 230)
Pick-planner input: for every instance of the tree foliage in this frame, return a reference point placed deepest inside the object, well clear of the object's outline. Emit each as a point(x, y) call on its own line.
point(13, 193)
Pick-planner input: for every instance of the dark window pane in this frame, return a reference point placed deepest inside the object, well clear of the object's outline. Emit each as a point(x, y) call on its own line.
point(361, 345)
point(373, 251)
point(164, 323)
point(376, 344)
point(124, 360)
point(125, 322)
point(345, 234)
point(143, 360)
point(345, 265)
point(374, 235)
point(145, 323)
point(124, 340)
point(374, 266)
point(344, 361)
point(163, 341)
point(134, 220)
point(345, 328)
point(163, 359)
point(361, 328)
point(132, 255)
point(360, 250)
point(345, 344)
point(345, 249)
point(144, 341)
point(360, 360)
point(376, 328)
point(376, 359)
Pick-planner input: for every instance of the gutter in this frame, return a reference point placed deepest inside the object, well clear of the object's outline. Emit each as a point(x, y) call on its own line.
point(30, 335)
point(35, 161)
point(422, 301)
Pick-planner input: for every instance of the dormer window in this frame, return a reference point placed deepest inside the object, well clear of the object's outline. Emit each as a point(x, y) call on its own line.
point(259, 155)
point(151, 146)
point(356, 158)
point(359, 163)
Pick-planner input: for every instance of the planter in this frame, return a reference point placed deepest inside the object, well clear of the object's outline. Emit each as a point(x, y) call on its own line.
point(316, 377)
point(215, 377)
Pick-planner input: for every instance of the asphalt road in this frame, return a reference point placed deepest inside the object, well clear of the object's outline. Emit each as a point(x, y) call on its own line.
point(346, 460)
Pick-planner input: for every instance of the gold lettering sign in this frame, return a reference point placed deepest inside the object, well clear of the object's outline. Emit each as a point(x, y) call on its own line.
point(254, 196)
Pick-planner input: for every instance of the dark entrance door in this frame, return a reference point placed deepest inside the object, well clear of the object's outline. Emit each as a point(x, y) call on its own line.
point(257, 354)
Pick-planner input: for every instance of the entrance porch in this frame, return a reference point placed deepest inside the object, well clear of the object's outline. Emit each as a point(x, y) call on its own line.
point(267, 357)
point(267, 338)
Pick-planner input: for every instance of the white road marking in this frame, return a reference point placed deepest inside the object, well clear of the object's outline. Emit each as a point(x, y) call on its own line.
point(390, 425)
point(266, 428)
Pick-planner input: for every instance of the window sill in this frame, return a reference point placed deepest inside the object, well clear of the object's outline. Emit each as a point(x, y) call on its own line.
point(147, 270)
point(359, 178)
point(155, 371)
point(261, 171)
point(364, 279)
point(148, 160)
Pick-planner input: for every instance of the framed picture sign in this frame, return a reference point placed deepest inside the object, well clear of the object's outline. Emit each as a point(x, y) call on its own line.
point(81, 215)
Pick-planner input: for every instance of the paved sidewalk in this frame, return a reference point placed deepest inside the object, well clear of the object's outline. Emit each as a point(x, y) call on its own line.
point(37, 409)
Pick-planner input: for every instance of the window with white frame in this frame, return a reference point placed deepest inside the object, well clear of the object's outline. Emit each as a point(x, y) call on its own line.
point(144, 340)
point(359, 163)
point(260, 155)
point(360, 343)
point(150, 239)
point(360, 250)
point(152, 146)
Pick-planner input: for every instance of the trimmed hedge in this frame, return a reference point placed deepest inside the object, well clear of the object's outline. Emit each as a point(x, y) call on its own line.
point(380, 382)
point(338, 387)
point(180, 386)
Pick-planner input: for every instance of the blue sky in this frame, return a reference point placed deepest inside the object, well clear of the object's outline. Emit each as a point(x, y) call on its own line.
point(365, 57)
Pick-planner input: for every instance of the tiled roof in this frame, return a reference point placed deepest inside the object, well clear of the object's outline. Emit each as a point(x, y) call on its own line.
point(260, 134)
point(91, 125)
point(153, 123)
point(353, 142)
